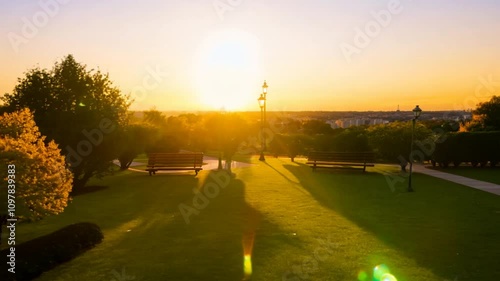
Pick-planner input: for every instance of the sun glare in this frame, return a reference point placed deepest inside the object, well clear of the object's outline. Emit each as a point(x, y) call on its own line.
point(227, 70)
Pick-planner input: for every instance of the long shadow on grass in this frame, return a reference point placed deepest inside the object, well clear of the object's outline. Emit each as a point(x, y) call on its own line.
point(207, 242)
point(449, 229)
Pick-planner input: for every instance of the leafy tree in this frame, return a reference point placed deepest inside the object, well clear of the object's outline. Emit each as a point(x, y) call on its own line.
point(354, 139)
point(441, 125)
point(486, 117)
point(227, 131)
point(79, 109)
point(288, 125)
point(392, 141)
point(155, 117)
point(316, 127)
point(134, 140)
point(42, 181)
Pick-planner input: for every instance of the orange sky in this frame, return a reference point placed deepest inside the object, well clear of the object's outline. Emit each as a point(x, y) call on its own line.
point(206, 54)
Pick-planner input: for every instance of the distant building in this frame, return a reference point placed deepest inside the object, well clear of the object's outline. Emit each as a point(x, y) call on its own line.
point(351, 122)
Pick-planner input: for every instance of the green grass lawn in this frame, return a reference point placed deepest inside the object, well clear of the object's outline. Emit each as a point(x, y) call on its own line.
point(329, 225)
point(487, 174)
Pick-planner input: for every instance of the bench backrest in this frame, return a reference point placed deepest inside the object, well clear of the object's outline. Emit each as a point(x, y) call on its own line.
point(355, 157)
point(175, 159)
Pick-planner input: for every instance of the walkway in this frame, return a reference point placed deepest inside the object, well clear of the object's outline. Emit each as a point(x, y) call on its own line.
point(477, 184)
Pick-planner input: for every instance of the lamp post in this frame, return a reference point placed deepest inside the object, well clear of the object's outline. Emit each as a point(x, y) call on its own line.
point(416, 113)
point(262, 104)
point(264, 91)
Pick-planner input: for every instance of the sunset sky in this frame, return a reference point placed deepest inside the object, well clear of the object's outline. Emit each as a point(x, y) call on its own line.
point(438, 54)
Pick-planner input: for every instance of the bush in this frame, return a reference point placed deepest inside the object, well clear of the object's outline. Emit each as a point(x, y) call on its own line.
point(470, 147)
point(290, 145)
point(44, 253)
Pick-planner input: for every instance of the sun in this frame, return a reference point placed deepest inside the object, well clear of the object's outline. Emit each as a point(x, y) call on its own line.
point(227, 70)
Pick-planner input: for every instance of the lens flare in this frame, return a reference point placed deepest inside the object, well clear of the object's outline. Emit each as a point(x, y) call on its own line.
point(388, 277)
point(362, 276)
point(379, 271)
point(247, 265)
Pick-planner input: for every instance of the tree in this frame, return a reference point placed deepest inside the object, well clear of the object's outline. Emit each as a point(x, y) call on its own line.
point(354, 139)
point(392, 141)
point(79, 109)
point(40, 177)
point(227, 131)
point(486, 117)
point(155, 117)
point(134, 140)
point(316, 127)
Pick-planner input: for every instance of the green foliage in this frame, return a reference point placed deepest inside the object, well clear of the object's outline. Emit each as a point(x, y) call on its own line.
point(474, 147)
point(392, 141)
point(67, 100)
point(134, 139)
point(46, 252)
point(42, 182)
point(290, 145)
point(353, 139)
point(316, 127)
point(490, 113)
point(225, 133)
point(486, 117)
point(155, 117)
point(441, 125)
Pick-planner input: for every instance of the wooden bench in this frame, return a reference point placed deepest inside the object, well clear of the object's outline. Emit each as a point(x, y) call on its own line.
point(331, 159)
point(174, 161)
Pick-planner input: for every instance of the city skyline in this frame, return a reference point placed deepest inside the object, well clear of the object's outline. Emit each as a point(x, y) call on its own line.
point(323, 56)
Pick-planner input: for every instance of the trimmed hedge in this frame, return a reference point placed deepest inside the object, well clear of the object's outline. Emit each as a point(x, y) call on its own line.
point(477, 148)
point(46, 252)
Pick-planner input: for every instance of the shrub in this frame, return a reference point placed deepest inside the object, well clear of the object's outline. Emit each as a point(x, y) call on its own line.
point(44, 253)
point(471, 147)
point(290, 145)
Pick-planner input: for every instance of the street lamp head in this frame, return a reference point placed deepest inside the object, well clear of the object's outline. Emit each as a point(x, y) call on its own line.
point(262, 101)
point(264, 87)
point(417, 111)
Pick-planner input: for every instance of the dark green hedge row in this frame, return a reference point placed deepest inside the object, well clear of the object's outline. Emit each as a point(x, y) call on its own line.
point(44, 253)
point(477, 148)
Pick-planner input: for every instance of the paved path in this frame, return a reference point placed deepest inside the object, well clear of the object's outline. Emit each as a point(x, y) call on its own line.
point(477, 184)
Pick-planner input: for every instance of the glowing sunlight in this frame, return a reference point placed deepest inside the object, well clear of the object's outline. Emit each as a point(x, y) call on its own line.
point(227, 69)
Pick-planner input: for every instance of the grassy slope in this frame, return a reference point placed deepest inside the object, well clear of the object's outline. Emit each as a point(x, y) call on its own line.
point(350, 220)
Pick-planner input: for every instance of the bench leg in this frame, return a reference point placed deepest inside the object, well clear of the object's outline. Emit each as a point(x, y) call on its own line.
point(364, 168)
point(150, 173)
point(196, 172)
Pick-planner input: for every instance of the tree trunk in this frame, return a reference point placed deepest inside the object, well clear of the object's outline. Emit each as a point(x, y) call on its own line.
point(228, 164)
point(81, 182)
